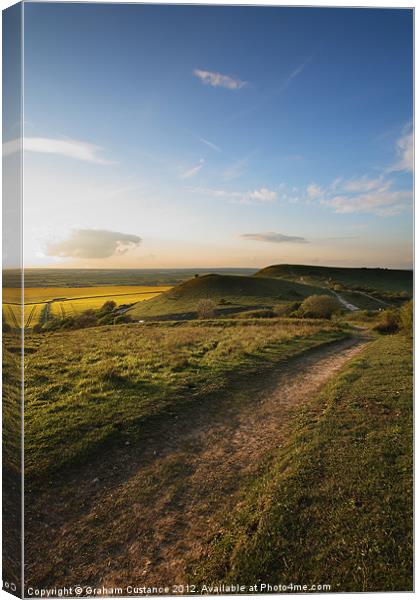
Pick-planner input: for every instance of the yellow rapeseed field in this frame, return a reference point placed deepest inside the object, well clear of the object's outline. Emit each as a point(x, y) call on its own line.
point(66, 302)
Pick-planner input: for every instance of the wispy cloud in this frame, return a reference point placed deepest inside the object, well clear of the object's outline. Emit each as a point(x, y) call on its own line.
point(384, 203)
point(273, 237)
point(262, 195)
point(210, 144)
point(93, 243)
point(373, 195)
point(405, 152)
point(295, 73)
point(70, 148)
point(313, 191)
point(189, 173)
point(364, 184)
point(370, 194)
point(219, 80)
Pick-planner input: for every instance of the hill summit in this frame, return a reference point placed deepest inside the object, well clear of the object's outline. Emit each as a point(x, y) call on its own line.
point(357, 278)
point(234, 290)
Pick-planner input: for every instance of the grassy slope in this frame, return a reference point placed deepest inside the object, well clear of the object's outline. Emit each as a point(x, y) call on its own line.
point(335, 507)
point(237, 290)
point(89, 389)
point(362, 301)
point(393, 280)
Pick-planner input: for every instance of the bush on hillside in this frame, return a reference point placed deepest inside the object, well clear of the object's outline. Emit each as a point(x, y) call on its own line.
point(394, 320)
point(206, 308)
point(106, 315)
point(108, 307)
point(287, 309)
point(319, 307)
point(389, 322)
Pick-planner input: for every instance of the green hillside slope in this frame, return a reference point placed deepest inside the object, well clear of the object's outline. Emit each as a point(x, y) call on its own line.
point(227, 291)
point(388, 280)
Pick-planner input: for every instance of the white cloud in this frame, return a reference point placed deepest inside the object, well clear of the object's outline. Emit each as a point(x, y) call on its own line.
point(93, 243)
point(262, 195)
point(70, 148)
point(219, 80)
point(210, 144)
point(405, 153)
point(193, 170)
point(259, 196)
point(365, 194)
point(273, 237)
point(383, 203)
point(313, 191)
point(374, 195)
point(365, 184)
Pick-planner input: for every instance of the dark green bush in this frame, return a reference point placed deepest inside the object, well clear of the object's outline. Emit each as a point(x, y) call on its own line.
point(319, 307)
point(390, 321)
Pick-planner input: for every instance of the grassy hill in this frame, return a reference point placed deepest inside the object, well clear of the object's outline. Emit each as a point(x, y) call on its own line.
point(227, 291)
point(382, 280)
point(158, 368)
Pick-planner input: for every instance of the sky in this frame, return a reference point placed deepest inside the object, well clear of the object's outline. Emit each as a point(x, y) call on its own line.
point(194, 136)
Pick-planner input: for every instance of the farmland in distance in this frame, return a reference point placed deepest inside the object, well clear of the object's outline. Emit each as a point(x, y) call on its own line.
point(62, 302)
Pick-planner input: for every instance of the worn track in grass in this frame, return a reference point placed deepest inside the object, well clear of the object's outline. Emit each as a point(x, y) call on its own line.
point(141, 514)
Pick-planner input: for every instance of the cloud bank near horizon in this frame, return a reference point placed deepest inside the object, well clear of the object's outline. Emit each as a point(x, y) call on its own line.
point(93, 243)
point(273, 237)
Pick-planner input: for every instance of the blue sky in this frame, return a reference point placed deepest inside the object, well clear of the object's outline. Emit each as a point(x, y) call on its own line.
point(164, 136)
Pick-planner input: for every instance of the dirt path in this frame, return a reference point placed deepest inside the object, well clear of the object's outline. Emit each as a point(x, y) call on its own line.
point(345, 303)
point(142, 518)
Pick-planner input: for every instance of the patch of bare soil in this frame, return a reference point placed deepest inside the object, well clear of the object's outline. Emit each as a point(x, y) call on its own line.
point(139, 515)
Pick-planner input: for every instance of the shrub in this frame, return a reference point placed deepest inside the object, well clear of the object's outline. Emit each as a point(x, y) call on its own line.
point(285, 310)
point(389, 322)
point(123, 319)
point(108, 307)
point(86, 319)
point(206, 308)
point(319, 307)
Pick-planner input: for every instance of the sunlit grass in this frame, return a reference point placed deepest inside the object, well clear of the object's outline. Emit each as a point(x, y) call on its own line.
point(88, 388)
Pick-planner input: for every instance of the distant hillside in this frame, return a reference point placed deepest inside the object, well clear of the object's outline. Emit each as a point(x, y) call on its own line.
point(95, 277)
point(383, 280)
point(225, 290)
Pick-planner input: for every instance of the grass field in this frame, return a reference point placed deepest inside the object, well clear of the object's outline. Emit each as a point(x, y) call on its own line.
point(335, 504)
point(203, 449)
point(89, 389)
point(64, 302)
